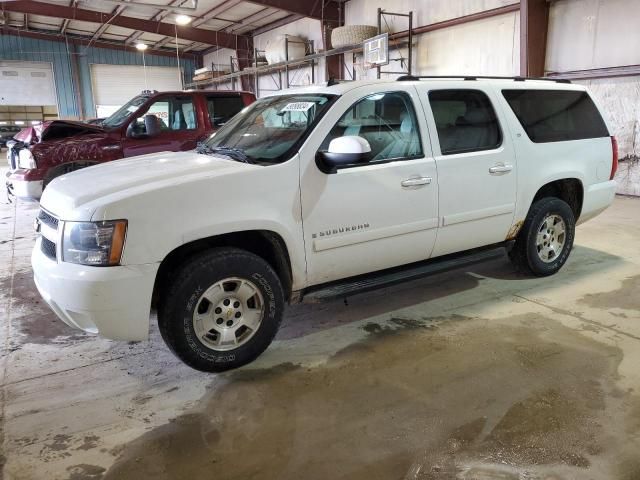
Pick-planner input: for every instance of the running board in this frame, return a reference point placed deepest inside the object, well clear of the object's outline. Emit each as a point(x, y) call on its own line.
point(386, 278)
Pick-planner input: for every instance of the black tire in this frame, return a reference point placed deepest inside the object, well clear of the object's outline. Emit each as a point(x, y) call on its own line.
point(524, 253)
point(180, 300)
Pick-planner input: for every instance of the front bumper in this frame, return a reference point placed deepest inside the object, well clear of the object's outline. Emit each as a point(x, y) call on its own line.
point(27, 189)
point(111, 301)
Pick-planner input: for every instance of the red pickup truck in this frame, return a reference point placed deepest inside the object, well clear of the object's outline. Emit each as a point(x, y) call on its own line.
point(150, 122)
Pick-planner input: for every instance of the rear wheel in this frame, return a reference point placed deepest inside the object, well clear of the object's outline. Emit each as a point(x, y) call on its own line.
point(546, 239)
point(222, 309)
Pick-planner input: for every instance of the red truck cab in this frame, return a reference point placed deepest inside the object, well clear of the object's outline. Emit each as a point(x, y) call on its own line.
point(150, 122)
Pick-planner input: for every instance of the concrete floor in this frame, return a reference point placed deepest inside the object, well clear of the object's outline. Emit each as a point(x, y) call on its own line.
point(474, 374)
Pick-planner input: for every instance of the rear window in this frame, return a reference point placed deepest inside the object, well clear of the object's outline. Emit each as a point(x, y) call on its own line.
point(465, 121)
point(222, 109)
point(556, 115)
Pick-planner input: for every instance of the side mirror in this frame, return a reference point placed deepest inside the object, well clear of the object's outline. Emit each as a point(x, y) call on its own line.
point(151, 128)
point(135, 130)
point(152, 125)
point(343, 152)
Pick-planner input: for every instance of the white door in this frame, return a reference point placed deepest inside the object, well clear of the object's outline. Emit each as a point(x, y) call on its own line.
point(476, 167)
point(27, 83)
point(114, 85)
point(378, 214)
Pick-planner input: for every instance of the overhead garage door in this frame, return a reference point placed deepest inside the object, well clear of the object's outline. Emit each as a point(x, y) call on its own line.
point(114, 85)
point(27, 83)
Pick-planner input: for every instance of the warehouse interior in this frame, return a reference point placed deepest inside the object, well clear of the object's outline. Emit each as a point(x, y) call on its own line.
point(478, 372)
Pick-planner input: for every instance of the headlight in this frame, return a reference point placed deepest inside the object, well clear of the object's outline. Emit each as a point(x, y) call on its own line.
point(94, 243)
point(25, 159)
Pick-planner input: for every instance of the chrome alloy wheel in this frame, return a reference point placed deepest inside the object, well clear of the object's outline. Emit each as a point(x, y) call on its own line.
point(228, 314)
point(551, 238)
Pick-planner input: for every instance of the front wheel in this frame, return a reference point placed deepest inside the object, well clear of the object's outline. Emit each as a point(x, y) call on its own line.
point(221, 310)
point(546, 239)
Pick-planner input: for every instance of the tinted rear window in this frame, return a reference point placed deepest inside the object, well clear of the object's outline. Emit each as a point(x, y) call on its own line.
point(465, 121)
point(222, 109)
point(556, 115)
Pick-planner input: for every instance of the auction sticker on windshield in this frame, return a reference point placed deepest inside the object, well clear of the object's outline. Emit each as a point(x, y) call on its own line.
point(297, 107)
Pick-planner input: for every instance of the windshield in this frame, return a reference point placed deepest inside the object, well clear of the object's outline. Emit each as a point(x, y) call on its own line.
point(119, 117)
point(270, 128)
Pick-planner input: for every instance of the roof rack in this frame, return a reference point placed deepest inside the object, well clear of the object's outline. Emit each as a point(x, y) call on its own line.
point(405, 78)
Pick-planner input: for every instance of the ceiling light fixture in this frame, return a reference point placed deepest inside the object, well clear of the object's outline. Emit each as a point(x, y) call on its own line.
point(142, 46)
point(183, 19)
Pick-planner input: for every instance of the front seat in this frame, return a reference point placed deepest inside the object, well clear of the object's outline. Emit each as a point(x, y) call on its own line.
point(476, 129)
point(178, 121)
point(191, 119)
point(405, 144)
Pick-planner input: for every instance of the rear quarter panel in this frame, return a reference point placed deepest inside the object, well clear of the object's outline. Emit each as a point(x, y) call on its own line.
point(587, 160)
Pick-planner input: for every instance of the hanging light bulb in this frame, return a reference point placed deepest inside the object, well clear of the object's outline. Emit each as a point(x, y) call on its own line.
point(183, 19)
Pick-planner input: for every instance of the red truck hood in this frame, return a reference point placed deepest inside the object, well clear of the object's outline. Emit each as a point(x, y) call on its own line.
point(62, 128)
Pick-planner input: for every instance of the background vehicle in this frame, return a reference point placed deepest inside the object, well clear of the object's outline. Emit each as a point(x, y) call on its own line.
point(7, 132)
point(150, 122)
point(322, 193)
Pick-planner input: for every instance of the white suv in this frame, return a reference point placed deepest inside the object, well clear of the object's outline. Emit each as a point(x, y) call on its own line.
point(321, 192)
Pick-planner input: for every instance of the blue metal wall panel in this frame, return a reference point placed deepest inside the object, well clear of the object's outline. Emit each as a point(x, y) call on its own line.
point(59, 54)
point(34, 50)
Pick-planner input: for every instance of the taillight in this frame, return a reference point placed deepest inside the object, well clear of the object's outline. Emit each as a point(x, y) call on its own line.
point(614, 160)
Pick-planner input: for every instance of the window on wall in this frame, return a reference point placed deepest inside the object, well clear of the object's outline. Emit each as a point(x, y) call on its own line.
point(222, 109)
point(556, 115)
point(465, 121)
point(387, 121)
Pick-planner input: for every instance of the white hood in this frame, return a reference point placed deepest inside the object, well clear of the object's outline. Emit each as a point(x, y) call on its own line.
point(76, 195)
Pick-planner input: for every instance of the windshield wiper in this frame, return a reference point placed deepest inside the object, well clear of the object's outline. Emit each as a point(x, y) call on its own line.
point(234, 153)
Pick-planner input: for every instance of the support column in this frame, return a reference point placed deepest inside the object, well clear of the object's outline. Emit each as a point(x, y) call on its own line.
point(245, 56)
point(199, 59)
point(334, 65)
point(534, 21)
point(73, 56)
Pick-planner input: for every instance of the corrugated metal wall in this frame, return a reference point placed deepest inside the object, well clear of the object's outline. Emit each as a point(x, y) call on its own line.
point(586, 34)
point(59, 54)
point(56, 53)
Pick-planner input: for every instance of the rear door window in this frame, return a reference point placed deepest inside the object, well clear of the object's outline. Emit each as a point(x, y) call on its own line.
point(222, 109)
point(556, 115)
point(465, 121)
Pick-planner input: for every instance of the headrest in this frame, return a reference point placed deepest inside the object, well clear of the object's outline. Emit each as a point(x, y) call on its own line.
point(477, 115)
point(406, 126)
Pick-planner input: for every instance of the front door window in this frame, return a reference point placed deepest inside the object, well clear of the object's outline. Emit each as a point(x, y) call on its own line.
point(175, 114)
point(387, 121)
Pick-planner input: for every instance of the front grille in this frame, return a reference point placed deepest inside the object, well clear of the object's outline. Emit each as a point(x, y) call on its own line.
point(49, 248)
point(48, 219)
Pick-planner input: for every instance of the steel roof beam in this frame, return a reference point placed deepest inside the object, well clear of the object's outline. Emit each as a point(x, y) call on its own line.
point(307, 8)
point(222, 39)
point(278, 23)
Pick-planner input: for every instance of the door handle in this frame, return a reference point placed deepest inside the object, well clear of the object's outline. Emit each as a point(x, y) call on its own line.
point(416, 181)
point(501, 169)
